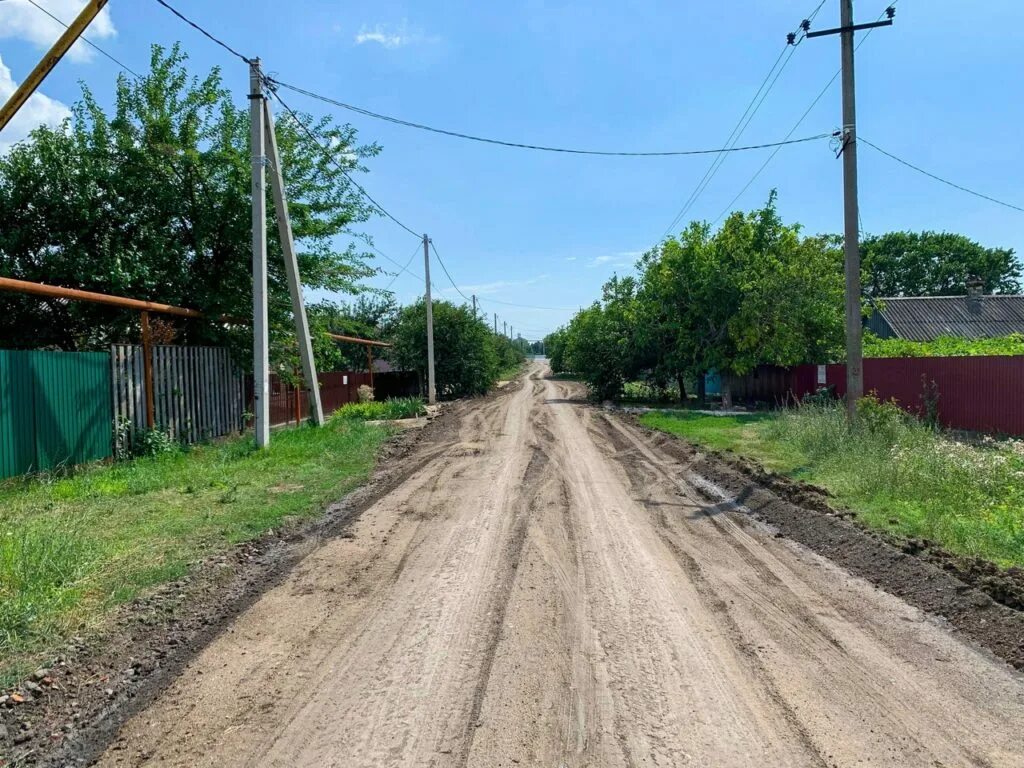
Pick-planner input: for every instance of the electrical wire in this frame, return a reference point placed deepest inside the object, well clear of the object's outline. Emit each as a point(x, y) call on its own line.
point(796, 125)
point(202, 31)
point(938, 178)
point(518, 145)
point(403, 269)
point(119, 63)
point(330, 156)
point(530, 306)
point(745, 119)
point(447, 273)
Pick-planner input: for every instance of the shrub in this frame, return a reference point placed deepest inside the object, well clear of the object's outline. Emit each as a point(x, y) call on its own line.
point(382, 410)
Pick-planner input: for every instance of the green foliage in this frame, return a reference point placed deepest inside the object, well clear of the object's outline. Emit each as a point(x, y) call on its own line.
point(72, 548)
point(370, 316)
point(380, 410)
point(152, 202)
point(154, 442)
point(754, 292)
point(897, 473)
point(935, 264)
point(944, 346)
point(468, 357)
point(554, 347)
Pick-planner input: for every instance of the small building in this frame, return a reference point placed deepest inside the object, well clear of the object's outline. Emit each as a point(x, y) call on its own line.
point(925, 318)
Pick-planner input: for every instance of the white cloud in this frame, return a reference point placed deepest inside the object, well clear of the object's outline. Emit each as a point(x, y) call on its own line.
point(38, 110)
point(20, 20)
point(485, 289)
point(570, 258)
point(393, 37)
point(620, 259)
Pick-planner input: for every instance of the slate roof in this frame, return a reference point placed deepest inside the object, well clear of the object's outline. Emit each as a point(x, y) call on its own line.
point(923, 318)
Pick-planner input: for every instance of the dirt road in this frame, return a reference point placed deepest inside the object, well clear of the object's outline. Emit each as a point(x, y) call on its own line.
point(548, 591)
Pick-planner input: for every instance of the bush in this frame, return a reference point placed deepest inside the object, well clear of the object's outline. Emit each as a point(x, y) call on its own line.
point(382, 410)
point(944, 346)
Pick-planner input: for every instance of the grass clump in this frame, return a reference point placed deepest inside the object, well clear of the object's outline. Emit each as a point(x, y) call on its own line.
point(896, 473)
point(381, 410)
point(74, 547)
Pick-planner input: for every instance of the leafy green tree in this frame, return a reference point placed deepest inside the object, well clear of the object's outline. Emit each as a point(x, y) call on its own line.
point(468, 357)
point(554, 348)
point(370, 316)
point(935, 264)
point(153, 202)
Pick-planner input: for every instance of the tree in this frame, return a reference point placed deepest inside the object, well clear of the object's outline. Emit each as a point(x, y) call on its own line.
point(370, 316)
point(935, 264)
point(153, 202)
point(468, 357)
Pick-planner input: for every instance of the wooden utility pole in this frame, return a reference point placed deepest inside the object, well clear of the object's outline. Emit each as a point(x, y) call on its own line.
point(260, 333)
point(431, 390)
point(49, 61)
point(474, 306)
point(851, 215)
point(284, 227)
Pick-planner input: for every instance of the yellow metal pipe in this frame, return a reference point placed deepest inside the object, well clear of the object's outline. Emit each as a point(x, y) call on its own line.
point(49, 61)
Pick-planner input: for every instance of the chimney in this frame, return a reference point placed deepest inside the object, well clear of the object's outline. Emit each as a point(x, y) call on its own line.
point(975, 288)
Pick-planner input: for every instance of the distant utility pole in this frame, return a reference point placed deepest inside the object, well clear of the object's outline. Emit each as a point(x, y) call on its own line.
point(260, 334)
point(495, 323)
point(851, 234)
point(504, 328)
point(431, 391)
point(474, 306)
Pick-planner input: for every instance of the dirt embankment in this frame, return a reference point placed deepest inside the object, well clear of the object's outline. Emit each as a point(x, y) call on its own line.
point(976, 597)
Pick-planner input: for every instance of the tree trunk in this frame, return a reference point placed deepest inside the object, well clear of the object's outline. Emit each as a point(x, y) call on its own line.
point(726, 391)
point(682, 388)
point(702, 388)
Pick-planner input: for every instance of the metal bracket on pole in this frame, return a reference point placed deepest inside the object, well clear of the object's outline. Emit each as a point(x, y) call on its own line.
point(284, 228)
point(260, 333)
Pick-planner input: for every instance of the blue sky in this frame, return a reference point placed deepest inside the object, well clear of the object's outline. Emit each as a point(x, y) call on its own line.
point(940, 88)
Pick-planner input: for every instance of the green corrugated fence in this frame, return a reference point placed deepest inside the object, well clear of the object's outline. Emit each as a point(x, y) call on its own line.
point(55, 409)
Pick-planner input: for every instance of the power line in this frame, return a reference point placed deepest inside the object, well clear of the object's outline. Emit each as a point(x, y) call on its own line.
point(330, 156)
point(527, 306)
point(403, 269)
point(519, 145)
point(796, 125)
point(939, 178)
point(447, 273)
point(202, 31)
point(748, 115)
point(121, 64)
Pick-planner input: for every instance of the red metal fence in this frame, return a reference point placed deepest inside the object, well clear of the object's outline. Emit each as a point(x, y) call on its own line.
point(979, 394)
point(289, 405)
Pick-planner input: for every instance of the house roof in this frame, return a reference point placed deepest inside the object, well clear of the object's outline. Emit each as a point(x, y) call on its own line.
point(923, 318)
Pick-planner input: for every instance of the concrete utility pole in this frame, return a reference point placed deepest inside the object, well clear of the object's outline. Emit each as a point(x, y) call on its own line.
point(851, 216)
point(495, 323)
point(29, 85)
point(260, 334)
point(474, 306)
point(431, 391)
point(284, 227)
point(854, 328)
point(504, 328)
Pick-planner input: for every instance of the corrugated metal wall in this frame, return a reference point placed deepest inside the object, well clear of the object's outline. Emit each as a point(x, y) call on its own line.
point(55, 409)
point(197, 391)
point(977, 394)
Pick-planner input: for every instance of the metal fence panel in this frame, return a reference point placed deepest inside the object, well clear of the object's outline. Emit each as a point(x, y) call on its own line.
point(55, 409)
point(196, 391)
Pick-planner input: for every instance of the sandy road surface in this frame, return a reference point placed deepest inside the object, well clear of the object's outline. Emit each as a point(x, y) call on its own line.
point(549, 592)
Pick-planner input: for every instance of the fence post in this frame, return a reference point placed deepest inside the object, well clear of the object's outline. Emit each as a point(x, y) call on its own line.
point(147, 364)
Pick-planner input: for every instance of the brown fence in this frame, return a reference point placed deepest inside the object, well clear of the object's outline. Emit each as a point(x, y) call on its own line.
point(289, 405)
point(978, 394)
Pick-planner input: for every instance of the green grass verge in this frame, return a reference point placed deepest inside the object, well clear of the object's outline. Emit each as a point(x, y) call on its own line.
point(897, 474)
point(73, 548)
